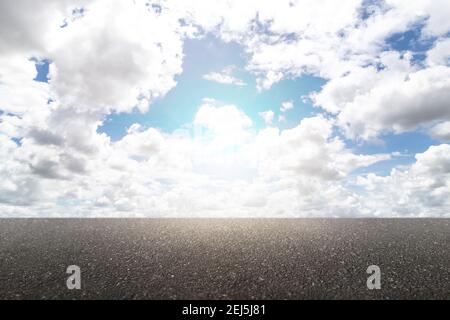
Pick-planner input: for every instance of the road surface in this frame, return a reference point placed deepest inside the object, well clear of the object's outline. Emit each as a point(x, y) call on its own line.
point(225, 258)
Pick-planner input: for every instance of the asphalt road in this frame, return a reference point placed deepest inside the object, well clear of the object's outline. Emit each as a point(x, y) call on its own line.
point(224, 258)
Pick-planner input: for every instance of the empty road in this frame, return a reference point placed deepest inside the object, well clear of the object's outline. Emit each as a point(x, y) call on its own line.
point(224, 258)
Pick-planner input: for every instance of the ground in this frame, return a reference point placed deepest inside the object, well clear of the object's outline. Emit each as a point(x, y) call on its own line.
point(224, 258)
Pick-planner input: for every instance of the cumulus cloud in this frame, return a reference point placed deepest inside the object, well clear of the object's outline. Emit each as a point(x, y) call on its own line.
point(397, 98)
point(27, 26)
point(441, 131)
point(128, 57)
point(286, 105)
point(337, 40)
point(18, 92)
point(225, 77)
point(420, 190)
point(338, 44)
point(281, 118)
point(222, 120)
point(118, 56)
point(247, 173)
point(267, 116)
point(310, 150)
point(440, 53)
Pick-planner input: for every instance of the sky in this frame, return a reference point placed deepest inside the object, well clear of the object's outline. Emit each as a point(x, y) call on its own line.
point(225, 108)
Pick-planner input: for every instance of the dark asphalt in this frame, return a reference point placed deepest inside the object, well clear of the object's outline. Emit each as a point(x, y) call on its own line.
point(225, 258)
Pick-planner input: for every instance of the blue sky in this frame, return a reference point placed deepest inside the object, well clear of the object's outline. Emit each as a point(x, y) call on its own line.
point(367, 133)
point(203, 56)
point(210, 54)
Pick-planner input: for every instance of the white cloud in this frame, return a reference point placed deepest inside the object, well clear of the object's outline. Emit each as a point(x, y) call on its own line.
point(420, 190)
point(309, 150)
point(26, 27)
point(123, 56)
point(223, 120)
point(267, 116)
point(120, 55)
point(436, 13)
point(18, 92)
point(441, 131)
point(440, 53)
point(286, 105)
point(397, 99)
point(338, 39)
point(225, 77)
point(217, 166)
